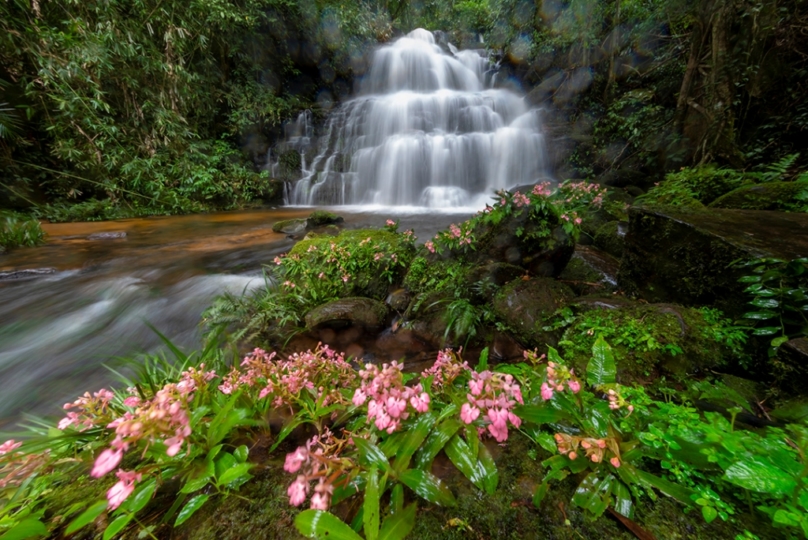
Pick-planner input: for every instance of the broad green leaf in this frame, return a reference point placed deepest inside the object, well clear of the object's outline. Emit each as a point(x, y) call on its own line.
point(399, 525)
point(622, 501)
point(234, 473)
point(415, 438)
point(323, 525)
point(760, 315)
point(428, 487)
point(397, 499)
point(680, 493)
point(776, 342)
point(392, 444)
point(188, 510)
point(756, 475)
point(371, 454)
point(482, 476)
point(592, 494)
point(765, 303)
point(482, 364)
point(141, 497)
point(287, 429)
point(766, 331)
point(601, 369)
point(241, 453)
point(27, 528)
point(749, 279)
point(87, 517)
point(436, 441)
point(371, 506)
point(224, 463)
point(538, 414)
point(195, 484)
point(117, 526)
point(709, 513)
point(540, 493)
point(490, 477)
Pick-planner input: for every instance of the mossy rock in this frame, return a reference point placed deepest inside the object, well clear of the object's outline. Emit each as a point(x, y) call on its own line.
point(318, 218)
point(611, 238)
point(789, 369)
point(685, 256)
point(769, 196)
point(591, 271)
point(526, 307)
point(486, 279)
point(365, 312)
point(648, 340)
point(289, 226)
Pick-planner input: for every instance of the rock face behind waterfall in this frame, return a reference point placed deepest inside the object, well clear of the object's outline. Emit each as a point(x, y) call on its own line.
point(424, 130)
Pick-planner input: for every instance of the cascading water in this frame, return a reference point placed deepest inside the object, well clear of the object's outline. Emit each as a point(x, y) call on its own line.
point(424, 131)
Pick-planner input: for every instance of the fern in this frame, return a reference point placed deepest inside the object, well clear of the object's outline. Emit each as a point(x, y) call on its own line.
point(778, 171)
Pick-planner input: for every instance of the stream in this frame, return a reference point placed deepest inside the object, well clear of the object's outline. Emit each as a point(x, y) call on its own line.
point(80, 304)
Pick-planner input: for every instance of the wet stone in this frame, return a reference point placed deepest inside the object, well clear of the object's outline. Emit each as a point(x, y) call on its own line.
point(346, 311)
point(289, 226)
point(113, 235)
point(591, 271)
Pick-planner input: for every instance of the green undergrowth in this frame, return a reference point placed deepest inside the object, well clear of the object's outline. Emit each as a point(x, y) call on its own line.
point(17, 230)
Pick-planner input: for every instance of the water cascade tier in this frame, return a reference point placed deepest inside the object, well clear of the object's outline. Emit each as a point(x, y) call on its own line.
point(425, 130)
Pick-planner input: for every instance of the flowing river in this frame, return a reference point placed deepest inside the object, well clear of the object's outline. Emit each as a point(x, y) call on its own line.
point(83, 300)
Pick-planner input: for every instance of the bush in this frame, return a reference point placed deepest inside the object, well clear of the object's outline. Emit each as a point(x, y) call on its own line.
point(17, 230)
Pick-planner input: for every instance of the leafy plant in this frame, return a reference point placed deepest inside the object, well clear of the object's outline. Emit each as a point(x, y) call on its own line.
point(17, 230)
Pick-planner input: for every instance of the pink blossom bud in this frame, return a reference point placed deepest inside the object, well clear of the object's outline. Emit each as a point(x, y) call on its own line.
point(105, 462)
point(573, 455)
point(615, 462)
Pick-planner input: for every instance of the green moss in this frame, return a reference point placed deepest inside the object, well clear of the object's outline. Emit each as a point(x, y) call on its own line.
point(695, 187)
point(321, 217)
point(787, 196)
point(288, 226)
point(527, 307)
point(650, 339)
point(609, 239)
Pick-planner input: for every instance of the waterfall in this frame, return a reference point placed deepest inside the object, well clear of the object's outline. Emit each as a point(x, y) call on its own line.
point(424, 130)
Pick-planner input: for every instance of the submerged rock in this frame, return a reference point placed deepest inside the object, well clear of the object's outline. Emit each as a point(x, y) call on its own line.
point(113, 235)
point(289, 226)
point(684, 256)
point(769, 196)
point(526, 306)
point(339, 313)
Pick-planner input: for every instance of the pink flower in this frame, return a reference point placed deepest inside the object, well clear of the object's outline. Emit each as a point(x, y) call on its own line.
point(8, 446)
point(615, 462)
point(574, 385)
point(174, 446)
point(105, 462)
point(390, 223)
point(132, 401)
point(469, 413)
point(500, 433)
point(319, 501)
point(297, 491)
point(395, 407)
point(296, 459)
point(573, 455)
point(578, 221)
point(359, 398)
point(476, 387)
point(514, 420)
point(430, 246)
point(420, 403)
point(120, 491)
point(546, 392)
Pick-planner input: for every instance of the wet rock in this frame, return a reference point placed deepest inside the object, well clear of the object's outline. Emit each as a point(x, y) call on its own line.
point(289, 226)
point(769, 196)
point(790, 366)
point(26, 274)
point(399, 300)
point(345, 311)
point(590, 302)
point(591, 271)
point(684, 255)
point(505, 348)
point(526, 306)
point(624, 177)
point(486, 279)
point(318, 218)
point(114, 235)
point(611, 238)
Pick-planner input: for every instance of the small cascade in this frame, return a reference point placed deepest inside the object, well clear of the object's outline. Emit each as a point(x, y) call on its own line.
point(426, 129)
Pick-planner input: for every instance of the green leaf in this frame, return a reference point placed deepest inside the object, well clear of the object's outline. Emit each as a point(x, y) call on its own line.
point(27, 528)
point(482, 364)
point(601, 369)
point(392, 444)
point(540, 493)
point(192, 506)
point(141, 498)
point(766, 331)
point(399, 525)
point(776, 342)
point(623, 503)
point(241, 453)
point(117, 526)
point(490, 477)
point(87, 517)
point(539, 414)
point(371, 454)
point(195, 484)
point(415, 437)
point(749, 279)
point(467, 463)
point(287, 429)
point(428, 487)
point(680, 493)
point(760, 315)
point(224, 463)
point(765, 303)
point(709, 513)
point(234, 473)
point(436, 441)
point(397, 499)
point(592, 494)
point(757, 475)
point(371, 506)
point(323, 525)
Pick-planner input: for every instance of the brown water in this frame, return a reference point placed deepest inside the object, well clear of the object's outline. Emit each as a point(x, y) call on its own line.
point(82, 301)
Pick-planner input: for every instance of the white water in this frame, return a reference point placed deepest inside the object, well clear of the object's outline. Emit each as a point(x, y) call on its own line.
point(425, 130)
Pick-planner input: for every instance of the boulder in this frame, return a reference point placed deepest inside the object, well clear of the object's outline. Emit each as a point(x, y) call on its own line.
point(318, 218)
point(769, 196)
point(684, 255)
point(591, 271)
point(399, 300)
point(289, 226)
point(527, 305)
point(790, 366)
point(611, 237)
point(346, 311)
point(488, 278)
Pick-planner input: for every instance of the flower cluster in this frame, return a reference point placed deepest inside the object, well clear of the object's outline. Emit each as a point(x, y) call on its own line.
point(391, 225)
point(319, 460)
point(322, 372)
point(457, 237)
point(16, 467)
point(9, 446)
point(596, 449)
point(446, 369)
point(617, 401)
point(557, 376)
point(389, 398)
point(122, 489)
point(496, 394)
point(580, 194)
point(91, 410)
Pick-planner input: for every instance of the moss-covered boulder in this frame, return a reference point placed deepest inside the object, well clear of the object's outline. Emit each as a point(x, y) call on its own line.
point(789, 368)
point(345, 311)
point(318, 218)
point(611, 238)
point(769, 196)
point(591, 271)
point(486, 279)
point(684, 256)
point(526, 306)
point(652, 339)
point(289, 226)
